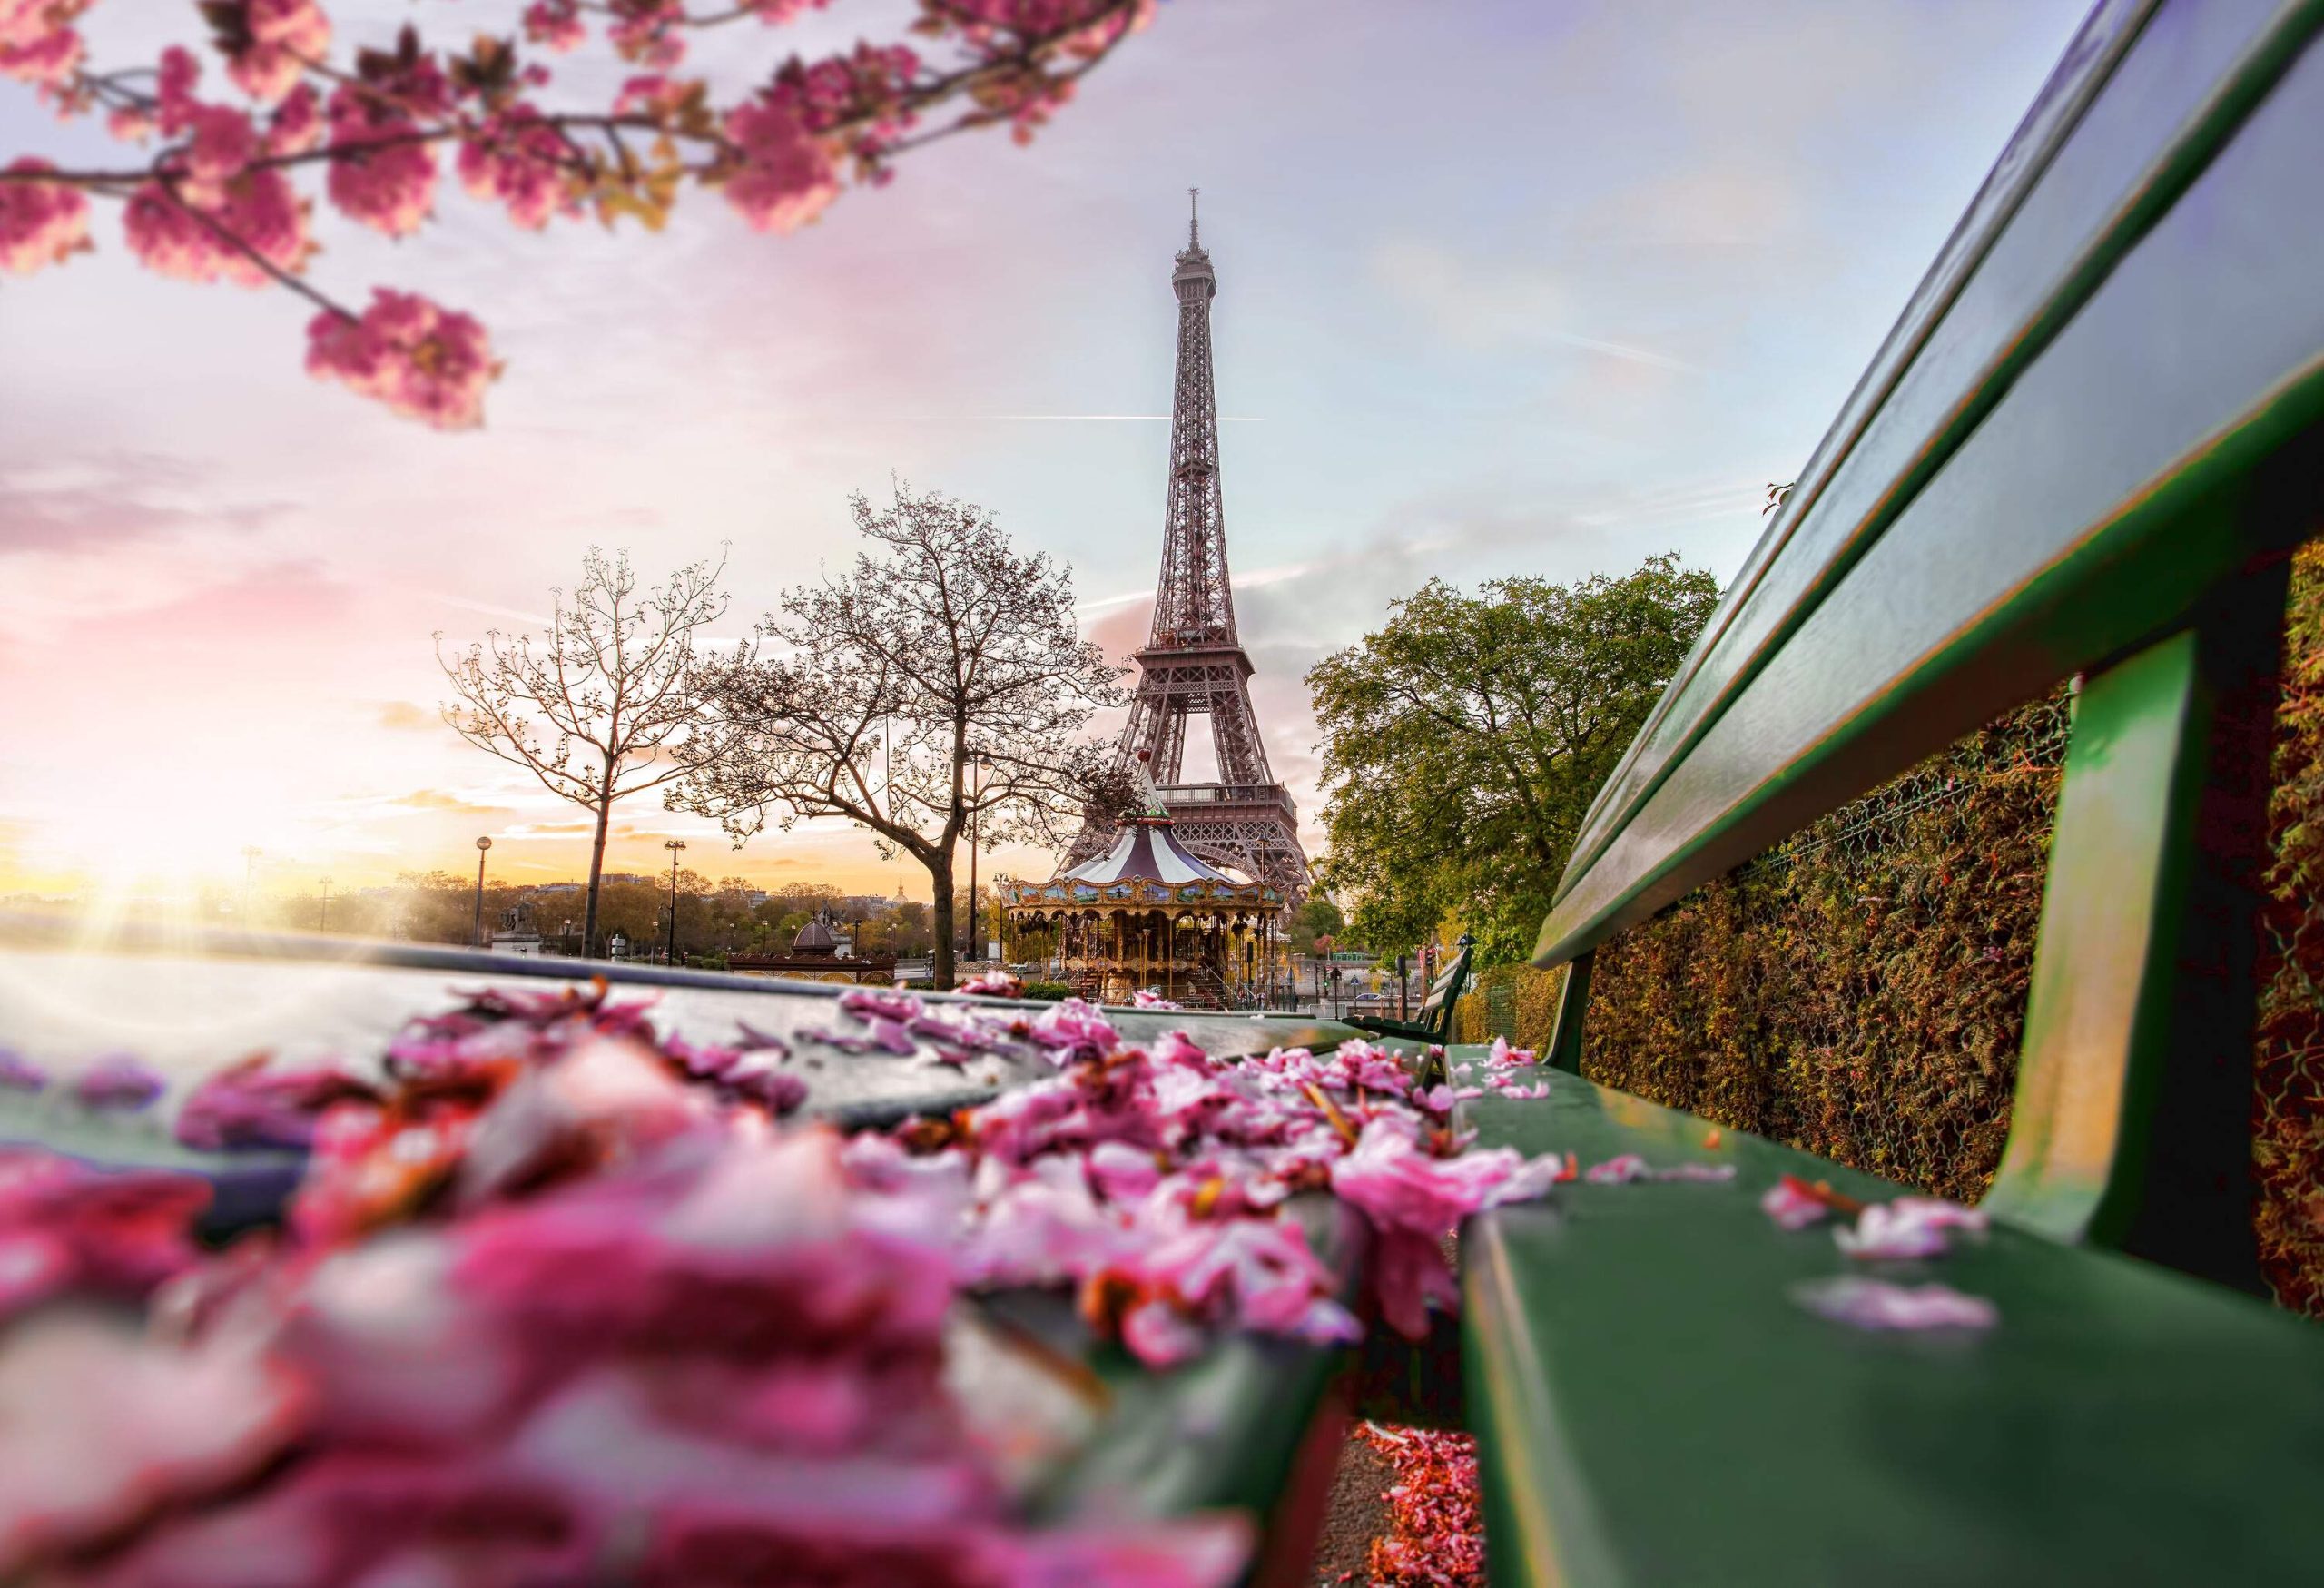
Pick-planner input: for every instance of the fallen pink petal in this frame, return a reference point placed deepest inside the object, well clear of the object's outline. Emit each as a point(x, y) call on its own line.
point(1909, 1227)
point(1876, 1304)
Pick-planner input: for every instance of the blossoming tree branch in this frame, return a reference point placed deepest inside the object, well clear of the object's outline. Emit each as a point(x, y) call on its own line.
point(230, 163)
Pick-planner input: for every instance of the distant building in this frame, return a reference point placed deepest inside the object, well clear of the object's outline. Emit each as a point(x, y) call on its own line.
point(817, 953)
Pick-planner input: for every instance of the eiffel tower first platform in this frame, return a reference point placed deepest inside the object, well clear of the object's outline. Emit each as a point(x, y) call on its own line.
point(1193, 663)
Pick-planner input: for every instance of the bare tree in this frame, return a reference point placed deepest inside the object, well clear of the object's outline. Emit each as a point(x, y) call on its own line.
point(609, 702)
point(941, 688)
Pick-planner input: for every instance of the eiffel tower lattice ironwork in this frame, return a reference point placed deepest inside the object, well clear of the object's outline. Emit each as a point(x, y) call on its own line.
point(1193, 663)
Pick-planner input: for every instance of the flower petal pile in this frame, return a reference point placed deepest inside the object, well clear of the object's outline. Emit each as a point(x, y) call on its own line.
point(560, 1299)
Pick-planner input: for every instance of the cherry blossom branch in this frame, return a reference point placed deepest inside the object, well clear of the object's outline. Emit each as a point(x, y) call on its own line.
point(214, 200)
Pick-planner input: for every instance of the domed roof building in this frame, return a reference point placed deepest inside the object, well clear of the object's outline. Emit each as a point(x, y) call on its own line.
point(814, 956)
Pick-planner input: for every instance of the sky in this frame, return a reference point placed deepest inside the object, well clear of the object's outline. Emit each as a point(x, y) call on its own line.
point(1506, 287)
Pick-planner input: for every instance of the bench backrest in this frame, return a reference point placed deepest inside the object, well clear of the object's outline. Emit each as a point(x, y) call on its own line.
point(2085, 449)
point(1436, 1009)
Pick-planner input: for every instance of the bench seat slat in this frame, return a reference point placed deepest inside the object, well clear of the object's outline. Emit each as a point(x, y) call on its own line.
point(1653, 1408)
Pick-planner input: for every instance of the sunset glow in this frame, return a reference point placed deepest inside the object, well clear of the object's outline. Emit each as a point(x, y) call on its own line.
point(222, 577)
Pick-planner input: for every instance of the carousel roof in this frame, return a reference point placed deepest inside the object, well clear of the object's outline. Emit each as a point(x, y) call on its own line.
point(1146, 850)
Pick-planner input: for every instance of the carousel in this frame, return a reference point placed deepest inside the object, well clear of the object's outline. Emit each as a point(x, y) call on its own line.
point(1147, 915)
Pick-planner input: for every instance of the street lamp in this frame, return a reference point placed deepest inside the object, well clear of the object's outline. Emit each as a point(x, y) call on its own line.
point(476, 932)
point(322, 916)
point(977, 763)
point(670, 955)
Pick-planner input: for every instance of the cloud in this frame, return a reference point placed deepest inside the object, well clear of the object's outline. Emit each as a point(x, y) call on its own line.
point(403, 714)
point(433, 799)
point(1481, 308)
point(97, 501)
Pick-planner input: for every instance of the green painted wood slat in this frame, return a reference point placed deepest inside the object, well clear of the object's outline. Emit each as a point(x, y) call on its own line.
point(2083, 516)
point(2132, 1122)
point(2160, 250)
point(1654, 1410)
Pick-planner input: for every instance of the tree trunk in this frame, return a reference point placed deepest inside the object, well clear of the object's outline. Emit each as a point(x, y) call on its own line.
point(596, 872)
point(940, 872)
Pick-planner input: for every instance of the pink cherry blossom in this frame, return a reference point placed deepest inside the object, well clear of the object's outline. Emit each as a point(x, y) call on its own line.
point(283, 34)
point(37, 42)
point(995, 985)
point(1875, 1304)
point(1909, 1227)
point(259, 207)
point(222, 144)
point(555, 24)
point(775, 12)
point(117, 1081)
point(1414, 1200)
point(519, 160)
point(297, 126)
point(1501, 1056)
point(173, 85)
point(866, 1002)
point(1794, 1203)
point(1071, 1029)
point(419, 359)
point(384, 174)
point(645, 31)
point(100, 1427)
point(787, 177)
point(40, 223)
point(1618, 1170)
point(113, 1233)
point(251, 1105)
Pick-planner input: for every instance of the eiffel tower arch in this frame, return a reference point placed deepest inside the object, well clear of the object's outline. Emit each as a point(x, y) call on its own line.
point(1193, 663)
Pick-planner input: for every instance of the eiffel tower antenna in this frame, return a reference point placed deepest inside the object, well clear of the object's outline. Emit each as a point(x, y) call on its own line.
point(1194, 217)
point(1193, 664)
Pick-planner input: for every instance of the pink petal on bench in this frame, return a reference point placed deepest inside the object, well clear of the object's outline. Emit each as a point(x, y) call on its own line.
point(1616, 1171)
point(1909, 1227)
point(1793, 1203)
point(1504, 1057)
point(1875, 1304)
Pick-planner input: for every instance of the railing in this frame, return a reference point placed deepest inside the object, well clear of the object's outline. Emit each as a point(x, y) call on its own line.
point(1225, 793)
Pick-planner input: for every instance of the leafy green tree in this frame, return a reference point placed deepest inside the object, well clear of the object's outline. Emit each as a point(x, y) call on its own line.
point(1319, 917)
point(1465, 740)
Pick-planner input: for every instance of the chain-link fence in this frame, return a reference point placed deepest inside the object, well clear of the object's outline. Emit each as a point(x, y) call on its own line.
point(1860, 989)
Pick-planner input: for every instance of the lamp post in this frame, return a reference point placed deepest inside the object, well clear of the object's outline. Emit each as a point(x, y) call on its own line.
point(670, 954)
point(322, 916)
point(476, 932)
point(976, 787)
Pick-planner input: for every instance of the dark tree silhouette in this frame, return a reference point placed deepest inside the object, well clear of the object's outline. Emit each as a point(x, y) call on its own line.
point(943, 681)
point(609, 703)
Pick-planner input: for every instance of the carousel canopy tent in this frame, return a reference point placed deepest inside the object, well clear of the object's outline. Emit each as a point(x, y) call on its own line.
point(1146, 850)
point(1149, 912)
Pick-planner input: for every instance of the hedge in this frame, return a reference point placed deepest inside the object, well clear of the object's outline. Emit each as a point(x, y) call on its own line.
point(1859, 990)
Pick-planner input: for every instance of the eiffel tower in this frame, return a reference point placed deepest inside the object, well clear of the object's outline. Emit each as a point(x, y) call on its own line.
point(1193, 662)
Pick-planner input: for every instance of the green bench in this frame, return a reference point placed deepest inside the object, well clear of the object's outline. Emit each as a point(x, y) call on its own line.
point(2084, 452)
point(1435, 1024)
